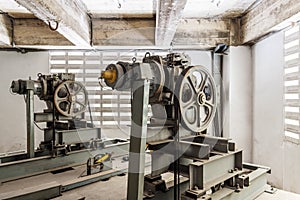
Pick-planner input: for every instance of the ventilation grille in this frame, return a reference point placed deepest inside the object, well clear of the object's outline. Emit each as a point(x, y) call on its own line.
point(291, 84)
point(109, 108)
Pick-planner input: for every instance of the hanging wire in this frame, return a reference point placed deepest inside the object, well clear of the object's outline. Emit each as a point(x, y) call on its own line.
point(119, 4)
point(38, 126)
point(25, 98)
point(81, 174)
point(90, 113)
point(171, 48)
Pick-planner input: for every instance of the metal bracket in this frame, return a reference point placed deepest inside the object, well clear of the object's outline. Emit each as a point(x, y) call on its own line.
point(270, 189)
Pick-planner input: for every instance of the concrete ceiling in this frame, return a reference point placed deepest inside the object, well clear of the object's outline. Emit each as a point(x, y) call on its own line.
point(143, 8)
point(11, 6)
point(198, 23)
point(213, 8)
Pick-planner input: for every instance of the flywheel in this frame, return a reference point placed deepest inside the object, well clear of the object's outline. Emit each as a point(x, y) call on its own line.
point(70, 98)
point(196, 93)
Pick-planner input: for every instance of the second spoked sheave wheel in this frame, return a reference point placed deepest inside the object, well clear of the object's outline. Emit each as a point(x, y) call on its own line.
point(196, 94)
point(70, 98)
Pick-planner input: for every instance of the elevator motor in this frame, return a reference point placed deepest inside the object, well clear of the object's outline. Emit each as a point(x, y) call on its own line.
point(173, 78)
point(60, 91)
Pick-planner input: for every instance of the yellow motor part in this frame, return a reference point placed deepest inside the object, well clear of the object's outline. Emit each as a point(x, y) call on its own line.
point(103, 158)
point(110, 75)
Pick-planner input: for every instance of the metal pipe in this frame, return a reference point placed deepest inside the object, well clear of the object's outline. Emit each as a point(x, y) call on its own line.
point(30, 125)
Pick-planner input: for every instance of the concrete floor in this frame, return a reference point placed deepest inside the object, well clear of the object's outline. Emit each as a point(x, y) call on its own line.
point(49, 177)
point(113, 189)
point(279, 195)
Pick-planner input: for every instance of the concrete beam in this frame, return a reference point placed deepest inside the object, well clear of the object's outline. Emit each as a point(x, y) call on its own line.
point(259, 21)
point(71, 15)
point(206, 32)
point(29, 32)
point(5, 31)
point(168, 15)
point(123, 32)
point(198, 33)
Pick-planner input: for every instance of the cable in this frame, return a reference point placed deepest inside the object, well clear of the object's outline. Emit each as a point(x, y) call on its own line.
point(81, 174)
point(25, 98)
point(38, 126)
point(90, 112)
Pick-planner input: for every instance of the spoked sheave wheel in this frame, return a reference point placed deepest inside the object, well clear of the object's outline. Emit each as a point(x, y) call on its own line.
point(196, 93)
point(70, 98)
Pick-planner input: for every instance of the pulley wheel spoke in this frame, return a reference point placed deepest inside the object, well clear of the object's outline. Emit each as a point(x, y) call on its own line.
point(62, 99)
point(208, 104)
point(78, 90)
point(198, 116)
point(188, 104)
point(67, 88)
point(192, 85)
point(81, 104)
point(207, 115)
point(71, 108)
point(203, 82)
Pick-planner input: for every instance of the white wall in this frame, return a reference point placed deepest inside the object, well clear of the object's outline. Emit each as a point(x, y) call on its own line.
point(269, 147)
point(267, 106)
point(14, 66)
point(200, 58)
point(238, 98)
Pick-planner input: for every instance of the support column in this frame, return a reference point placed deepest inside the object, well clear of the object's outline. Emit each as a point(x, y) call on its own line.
point(30, 120)
point(139, 111)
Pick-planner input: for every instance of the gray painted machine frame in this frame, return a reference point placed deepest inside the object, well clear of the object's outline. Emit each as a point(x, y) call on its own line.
point(221, 175)
point(257, 185)
point(211, 167)
point(41, 164)
point(54, 189)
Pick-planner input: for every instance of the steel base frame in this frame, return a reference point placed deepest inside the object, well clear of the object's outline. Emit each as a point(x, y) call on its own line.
point(210, 168)
point(53, 189)
point(252, 188)
point(28, 167)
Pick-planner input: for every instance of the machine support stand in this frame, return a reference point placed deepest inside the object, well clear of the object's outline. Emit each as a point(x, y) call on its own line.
point(30, 120)
point(138, 135)
point(176, 155)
